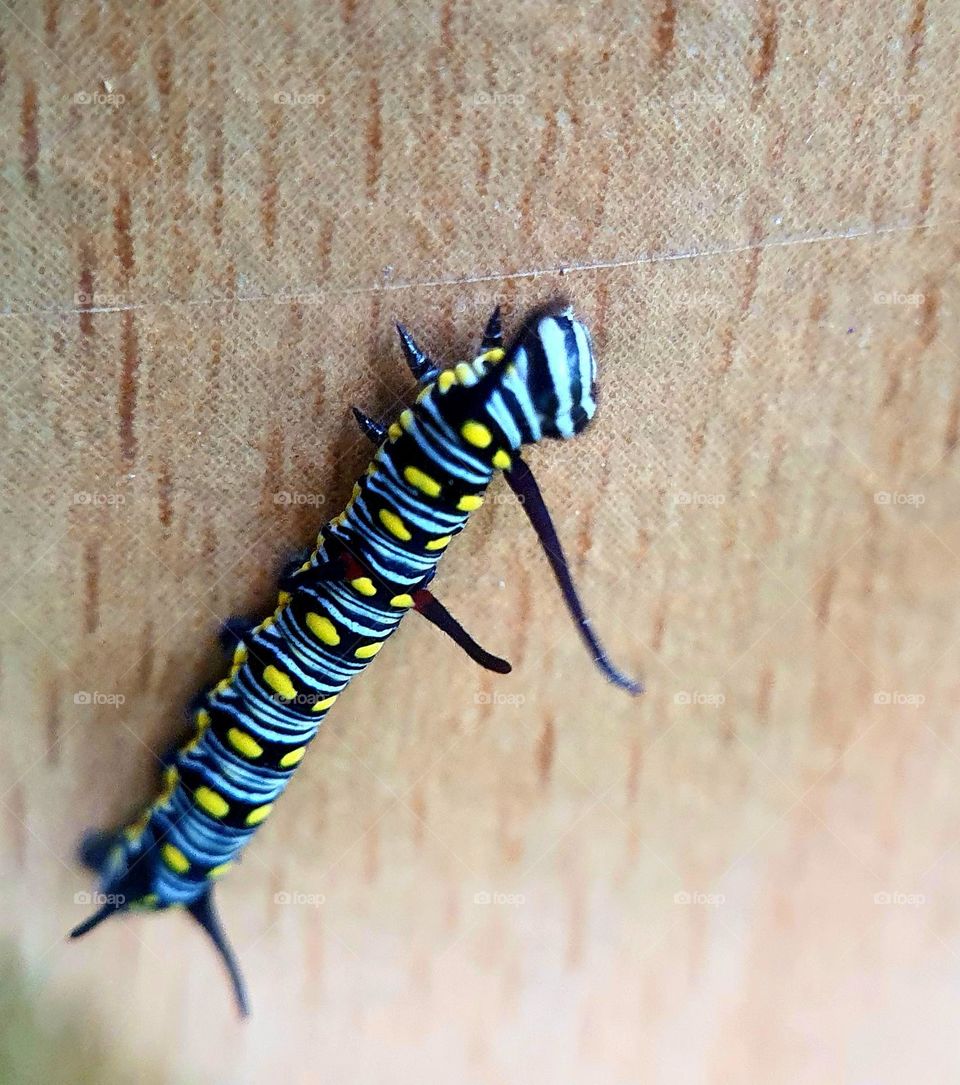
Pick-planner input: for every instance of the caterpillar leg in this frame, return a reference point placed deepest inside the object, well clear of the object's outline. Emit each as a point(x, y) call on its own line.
point(233, 633)
point(436, 613)
point(421, 364)
point(524, 485)
point(493, 334)
point(294, 572)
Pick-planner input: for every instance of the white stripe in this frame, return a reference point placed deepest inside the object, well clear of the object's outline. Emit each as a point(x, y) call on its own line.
point(558, 362)
point(588, 367)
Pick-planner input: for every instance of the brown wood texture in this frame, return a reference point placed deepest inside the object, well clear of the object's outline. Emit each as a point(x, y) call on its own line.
point(211, 215)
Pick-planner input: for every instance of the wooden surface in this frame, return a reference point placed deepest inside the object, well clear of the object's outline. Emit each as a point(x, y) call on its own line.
point(211, 215)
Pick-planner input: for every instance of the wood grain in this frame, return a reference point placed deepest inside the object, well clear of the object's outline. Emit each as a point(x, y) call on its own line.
point(212, 215)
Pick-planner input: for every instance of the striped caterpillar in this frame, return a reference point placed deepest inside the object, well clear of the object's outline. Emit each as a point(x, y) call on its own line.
point(371, 565)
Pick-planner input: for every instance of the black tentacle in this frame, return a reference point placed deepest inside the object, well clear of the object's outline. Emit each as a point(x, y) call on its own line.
point(524, 485)
point(437, 614)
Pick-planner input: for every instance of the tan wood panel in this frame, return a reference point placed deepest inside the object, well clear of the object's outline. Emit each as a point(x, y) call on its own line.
point(212, 214)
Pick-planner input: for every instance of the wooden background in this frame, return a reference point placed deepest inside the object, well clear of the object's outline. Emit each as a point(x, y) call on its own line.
point(211, 215)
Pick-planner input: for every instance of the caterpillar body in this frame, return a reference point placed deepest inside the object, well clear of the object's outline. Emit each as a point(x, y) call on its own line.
point(371, 565)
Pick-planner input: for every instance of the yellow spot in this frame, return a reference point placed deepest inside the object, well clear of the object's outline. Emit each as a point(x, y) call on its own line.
point(170, 777)
point(138, 828)
point(501, 460)
point(284, 597)
point(266, 623)
point(477, 434)
point(243, 743)
point(394, 431)
point(202, 719)
point(464, 374)
point(214, 804)
point(470, 503)
point(368, 651)
point(439, 544)
point(364, 585)
point(279, 682)
point(222, 685)
point(405, 601)
point(323, 629)
point(240, 655)
point(216, 871)
point(294, 757)
point(424, 392)
point(392, 522)
point(175, 859)
point(149, 900)
point(406, 419)
point(305, 565)
point(495, 355)
point(259, 814)
point(371, 469)
point(322, 706)
point(446, 380)
point(422, 481)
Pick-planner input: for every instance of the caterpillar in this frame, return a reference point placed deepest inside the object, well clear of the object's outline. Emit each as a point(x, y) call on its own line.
point(371, 565)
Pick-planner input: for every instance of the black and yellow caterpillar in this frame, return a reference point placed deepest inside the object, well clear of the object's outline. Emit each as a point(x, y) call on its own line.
point(335, 610)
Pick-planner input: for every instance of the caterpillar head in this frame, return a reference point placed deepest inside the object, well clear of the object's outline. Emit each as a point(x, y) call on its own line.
point(552, 359)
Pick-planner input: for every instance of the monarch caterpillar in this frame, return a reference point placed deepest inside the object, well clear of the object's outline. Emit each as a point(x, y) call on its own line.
point(335, 610)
